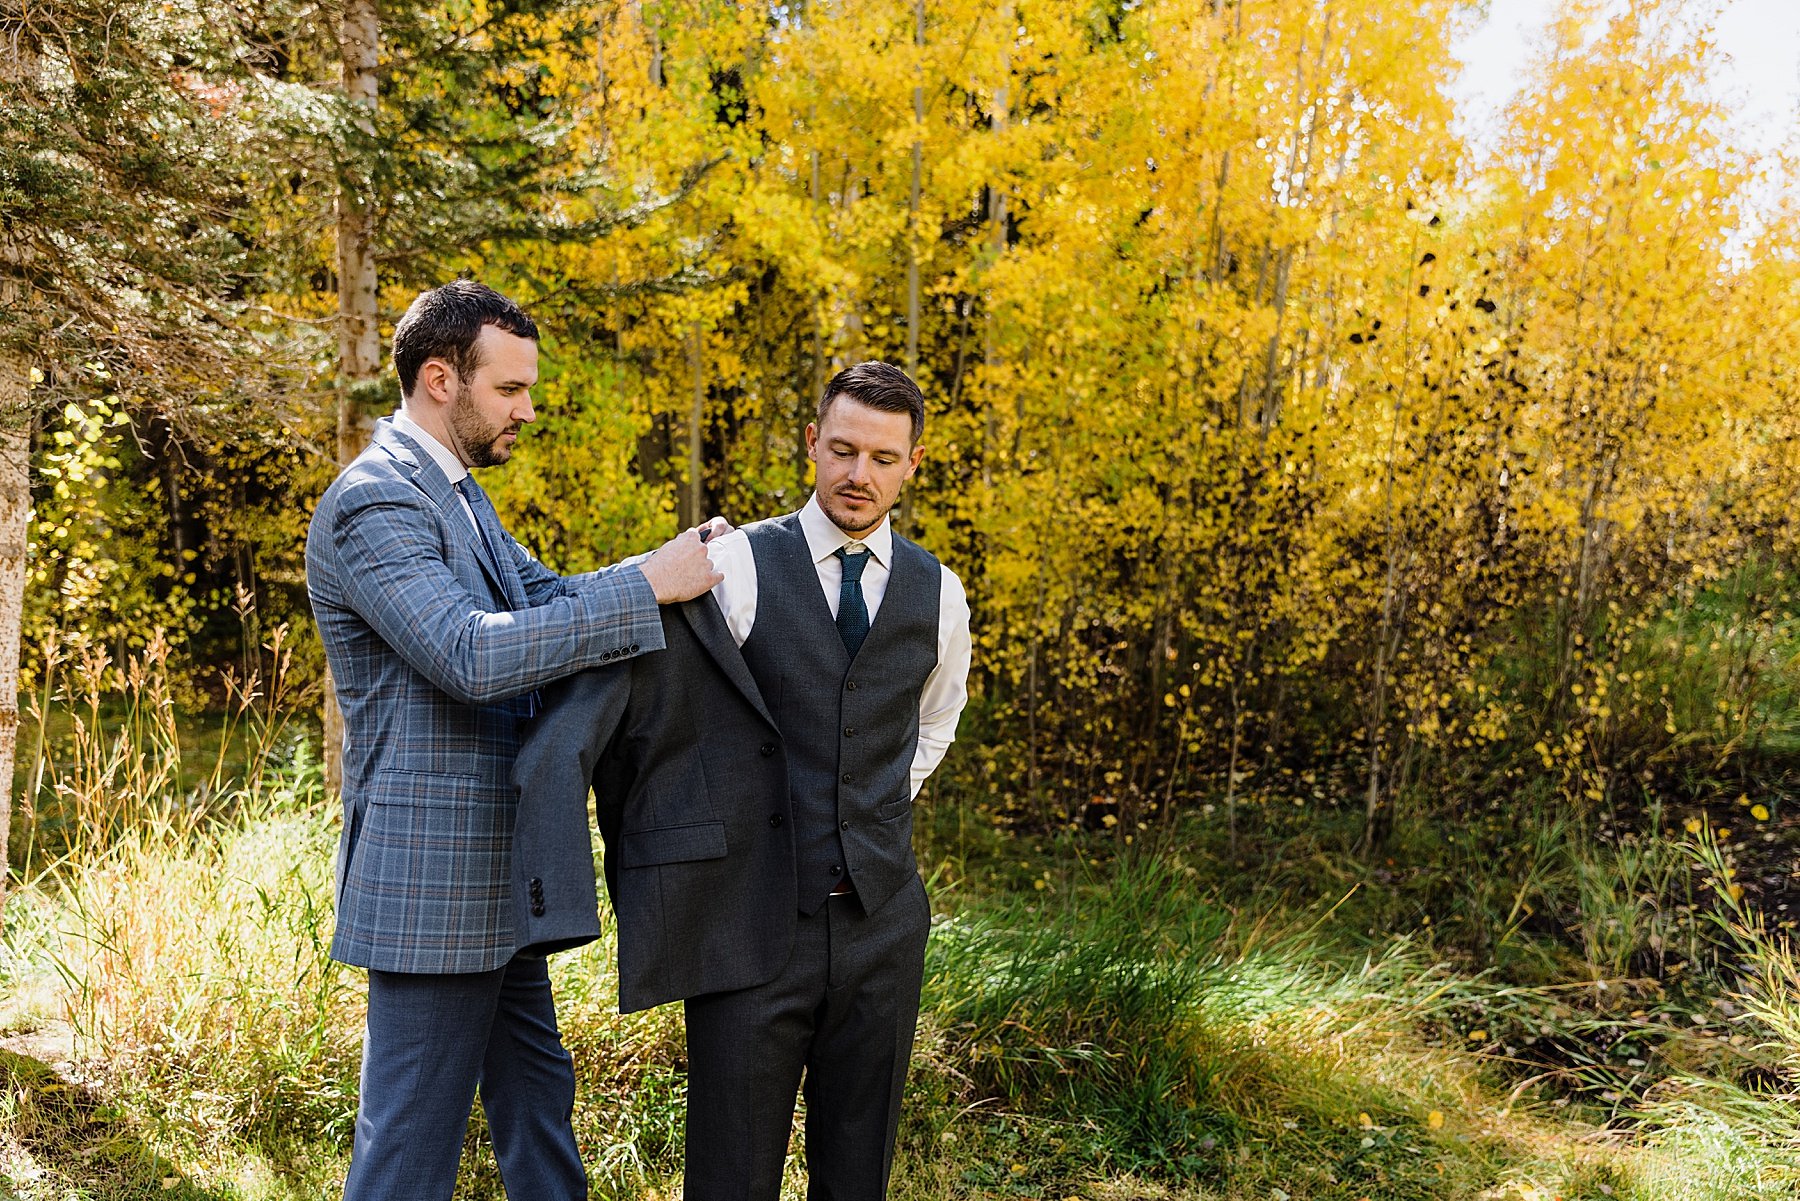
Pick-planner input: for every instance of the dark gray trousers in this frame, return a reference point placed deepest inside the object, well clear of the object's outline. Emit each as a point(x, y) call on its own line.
point(432, 1039)
point(842, 1013)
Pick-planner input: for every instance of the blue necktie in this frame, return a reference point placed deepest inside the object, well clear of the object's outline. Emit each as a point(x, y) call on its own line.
point(471, 492)
point(484, 513)
point(852, 614)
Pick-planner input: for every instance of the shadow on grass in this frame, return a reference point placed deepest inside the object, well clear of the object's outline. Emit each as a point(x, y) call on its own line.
point(79, 1145)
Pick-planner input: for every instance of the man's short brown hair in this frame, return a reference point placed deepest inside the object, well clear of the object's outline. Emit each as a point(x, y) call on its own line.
point(880, 386)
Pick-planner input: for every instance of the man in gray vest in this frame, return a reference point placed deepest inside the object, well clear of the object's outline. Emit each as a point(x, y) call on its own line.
point(755, 788)
point(859, 642)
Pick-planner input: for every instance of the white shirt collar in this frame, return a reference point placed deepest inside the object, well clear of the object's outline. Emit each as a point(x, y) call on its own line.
point(451, 466)
point(823, 538)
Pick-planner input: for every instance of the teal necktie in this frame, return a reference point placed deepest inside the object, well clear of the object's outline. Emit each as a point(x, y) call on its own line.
point(483, 511)
point(471, 493)
point(852, 614)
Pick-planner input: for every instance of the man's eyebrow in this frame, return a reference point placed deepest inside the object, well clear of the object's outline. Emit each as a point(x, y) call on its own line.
point(517, 383)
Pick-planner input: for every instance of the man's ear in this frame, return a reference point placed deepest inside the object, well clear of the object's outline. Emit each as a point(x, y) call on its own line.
point(812, 441)
point(918, 456)
point(437, 382)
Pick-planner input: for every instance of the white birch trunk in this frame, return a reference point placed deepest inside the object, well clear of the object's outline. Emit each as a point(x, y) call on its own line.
point(359, 332)
point(18, 64)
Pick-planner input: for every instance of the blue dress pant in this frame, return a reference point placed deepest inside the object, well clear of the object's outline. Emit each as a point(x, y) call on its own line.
point(432, 1041)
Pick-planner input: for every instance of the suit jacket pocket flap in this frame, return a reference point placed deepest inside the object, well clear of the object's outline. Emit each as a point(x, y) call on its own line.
point(429, 790)
point(672, 844)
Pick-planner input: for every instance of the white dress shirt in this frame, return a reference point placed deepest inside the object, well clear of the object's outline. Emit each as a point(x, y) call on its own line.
point(946, 688)
point(451, 466)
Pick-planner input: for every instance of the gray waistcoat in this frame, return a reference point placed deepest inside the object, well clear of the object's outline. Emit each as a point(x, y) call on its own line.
point(849, 728)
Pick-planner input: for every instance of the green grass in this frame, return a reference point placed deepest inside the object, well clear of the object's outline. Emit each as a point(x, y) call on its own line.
point(1517, 1004)
point(1140, 1027)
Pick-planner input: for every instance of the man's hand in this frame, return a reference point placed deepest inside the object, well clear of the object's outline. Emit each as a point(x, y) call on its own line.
point(679, 569)
point(714, 527)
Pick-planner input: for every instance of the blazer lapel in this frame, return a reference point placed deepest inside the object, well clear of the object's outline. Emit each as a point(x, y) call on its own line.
point(430, 479)
point(702, 614)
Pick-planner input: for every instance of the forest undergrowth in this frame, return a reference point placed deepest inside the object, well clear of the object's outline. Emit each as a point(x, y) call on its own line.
point(1571, 1006)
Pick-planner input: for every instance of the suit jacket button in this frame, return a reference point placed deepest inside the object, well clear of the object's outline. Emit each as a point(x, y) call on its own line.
point(843, 825)
point(836, 870)
point(849, 685)
point(848, 778)
point(775, 820)
point(537, 909)
point(634, 648)
point(767, 749)
point(849, 731)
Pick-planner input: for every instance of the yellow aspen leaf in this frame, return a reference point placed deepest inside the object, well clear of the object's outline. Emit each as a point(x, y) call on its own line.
point(1435, 1119)
point(1760, 812)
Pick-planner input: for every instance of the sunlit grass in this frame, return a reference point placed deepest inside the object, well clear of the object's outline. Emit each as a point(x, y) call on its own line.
point(1099, 1021)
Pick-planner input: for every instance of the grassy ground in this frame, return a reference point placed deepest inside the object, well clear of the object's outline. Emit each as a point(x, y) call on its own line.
point(1101, 1021)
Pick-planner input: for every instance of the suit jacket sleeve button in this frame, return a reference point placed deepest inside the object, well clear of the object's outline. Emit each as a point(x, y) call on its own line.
point(634, 648)
point(537, 909)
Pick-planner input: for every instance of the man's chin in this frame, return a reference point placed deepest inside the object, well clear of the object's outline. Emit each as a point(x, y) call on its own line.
point(853, 524)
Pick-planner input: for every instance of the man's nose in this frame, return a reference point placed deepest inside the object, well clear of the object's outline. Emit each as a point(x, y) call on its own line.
point(523, 412)
point(859, 472)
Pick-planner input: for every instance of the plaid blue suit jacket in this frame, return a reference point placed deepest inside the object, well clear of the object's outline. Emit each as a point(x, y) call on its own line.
point(433, 666)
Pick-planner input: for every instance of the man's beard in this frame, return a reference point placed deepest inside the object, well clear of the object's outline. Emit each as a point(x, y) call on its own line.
point(854, 526)
point(478, 439)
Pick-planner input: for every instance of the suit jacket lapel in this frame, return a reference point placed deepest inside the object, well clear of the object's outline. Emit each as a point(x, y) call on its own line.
point(432, 482)
point(709, 626)
point(511, 586)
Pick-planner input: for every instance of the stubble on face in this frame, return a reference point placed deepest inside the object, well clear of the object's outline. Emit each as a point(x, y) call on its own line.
point(852, 523)
point(484, 443)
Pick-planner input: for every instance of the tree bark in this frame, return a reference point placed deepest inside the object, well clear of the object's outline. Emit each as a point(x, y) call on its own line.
point(990, 350)
point(18, 65)
point(912, 204)
point(359, 331)
point(694, 495)
point(15, 509)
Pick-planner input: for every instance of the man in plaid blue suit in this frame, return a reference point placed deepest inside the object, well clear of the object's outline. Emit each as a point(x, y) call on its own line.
point(439, 629)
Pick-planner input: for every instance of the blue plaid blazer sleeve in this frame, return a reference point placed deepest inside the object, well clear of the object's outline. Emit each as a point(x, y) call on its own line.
point(404, 588)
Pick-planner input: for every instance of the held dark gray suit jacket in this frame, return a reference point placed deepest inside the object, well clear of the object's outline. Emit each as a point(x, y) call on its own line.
point(690, 780)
